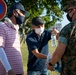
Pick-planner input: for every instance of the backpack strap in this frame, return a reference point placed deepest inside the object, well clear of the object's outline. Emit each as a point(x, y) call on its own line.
point(73, 29)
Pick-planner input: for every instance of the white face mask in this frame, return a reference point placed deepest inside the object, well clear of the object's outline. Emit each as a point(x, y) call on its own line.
point(39, 30)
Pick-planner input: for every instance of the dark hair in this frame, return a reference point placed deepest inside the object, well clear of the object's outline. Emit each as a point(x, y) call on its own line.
point(37, 21)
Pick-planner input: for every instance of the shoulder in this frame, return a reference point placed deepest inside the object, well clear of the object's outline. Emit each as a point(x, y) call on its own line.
point(30, 36)
point(2, 25)
point(47, 31)
point(66, 29)
point(67, 26)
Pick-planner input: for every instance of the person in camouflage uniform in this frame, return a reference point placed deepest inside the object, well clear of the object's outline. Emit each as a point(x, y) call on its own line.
point(66, 48)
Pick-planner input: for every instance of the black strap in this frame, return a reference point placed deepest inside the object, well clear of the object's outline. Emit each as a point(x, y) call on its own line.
point(73, 28)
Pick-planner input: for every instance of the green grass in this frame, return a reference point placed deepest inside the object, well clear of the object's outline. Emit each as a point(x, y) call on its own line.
point(25, 57)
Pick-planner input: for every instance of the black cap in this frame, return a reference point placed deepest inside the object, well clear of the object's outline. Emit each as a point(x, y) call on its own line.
point(17, 6)
point(37, 21)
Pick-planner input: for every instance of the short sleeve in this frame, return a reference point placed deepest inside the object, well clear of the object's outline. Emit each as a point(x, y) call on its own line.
point(31, 44)
point(63, 40)
point(65, 34)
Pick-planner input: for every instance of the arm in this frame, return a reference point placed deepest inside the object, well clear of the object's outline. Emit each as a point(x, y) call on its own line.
point(33, 48)
point(4, 61)
point(57, 55)
point(39, 55)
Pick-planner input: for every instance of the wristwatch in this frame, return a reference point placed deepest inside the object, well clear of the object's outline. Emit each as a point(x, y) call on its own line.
point(50, 64)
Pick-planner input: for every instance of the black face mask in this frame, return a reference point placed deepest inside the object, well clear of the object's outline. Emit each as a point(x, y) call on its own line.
point(69, 18)
point(19, 19)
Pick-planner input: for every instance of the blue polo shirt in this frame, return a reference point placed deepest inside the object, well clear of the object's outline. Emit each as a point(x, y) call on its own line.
point(35, 42)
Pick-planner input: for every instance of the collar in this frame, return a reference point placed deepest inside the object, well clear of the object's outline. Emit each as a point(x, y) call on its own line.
point(37, 36)
point(7, 20)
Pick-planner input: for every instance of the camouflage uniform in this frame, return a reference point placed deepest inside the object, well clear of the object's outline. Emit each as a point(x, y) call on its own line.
point(69, 57)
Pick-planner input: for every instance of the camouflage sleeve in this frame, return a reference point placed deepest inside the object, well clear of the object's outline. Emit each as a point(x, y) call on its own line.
point(63, 40)
point(64, 34)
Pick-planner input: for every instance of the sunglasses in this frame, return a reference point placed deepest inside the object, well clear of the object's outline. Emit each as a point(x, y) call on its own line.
point(23, 12)
point(70, 10)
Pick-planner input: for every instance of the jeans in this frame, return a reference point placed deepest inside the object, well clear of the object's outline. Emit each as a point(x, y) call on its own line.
point(37, 73)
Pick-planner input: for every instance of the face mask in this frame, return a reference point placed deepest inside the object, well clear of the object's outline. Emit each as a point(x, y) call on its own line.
point(39, 30)
point(19, 19)
point(69, 18)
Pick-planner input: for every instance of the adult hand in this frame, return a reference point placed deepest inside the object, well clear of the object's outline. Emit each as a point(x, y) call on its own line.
point(55, 31)
point(51, 68)
point(11, 72)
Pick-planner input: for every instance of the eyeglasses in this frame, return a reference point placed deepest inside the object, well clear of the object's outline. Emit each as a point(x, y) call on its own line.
point(23, 12)
point(70, 10)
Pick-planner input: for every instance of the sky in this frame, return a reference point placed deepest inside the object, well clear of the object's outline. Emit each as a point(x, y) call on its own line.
point(64, 20)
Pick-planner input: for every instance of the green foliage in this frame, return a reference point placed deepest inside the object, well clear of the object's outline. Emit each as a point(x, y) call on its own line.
point(51, 8)
point(36, 8)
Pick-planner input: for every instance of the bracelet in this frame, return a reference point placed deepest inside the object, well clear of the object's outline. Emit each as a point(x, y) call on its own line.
point(50, 64)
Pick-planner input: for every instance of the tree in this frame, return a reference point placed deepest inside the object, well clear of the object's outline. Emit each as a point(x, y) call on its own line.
point(36, 8)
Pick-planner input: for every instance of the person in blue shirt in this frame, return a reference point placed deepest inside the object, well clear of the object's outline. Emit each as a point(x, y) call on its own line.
point(37, 43)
